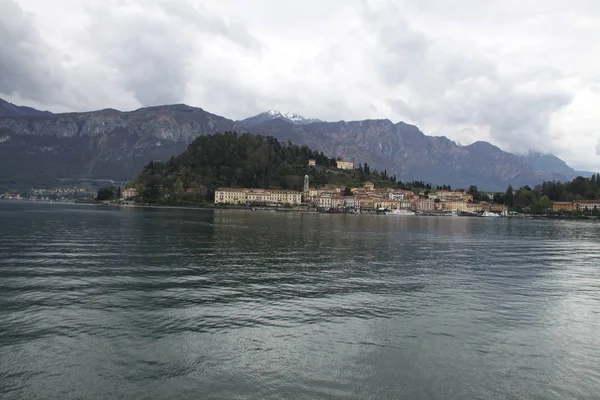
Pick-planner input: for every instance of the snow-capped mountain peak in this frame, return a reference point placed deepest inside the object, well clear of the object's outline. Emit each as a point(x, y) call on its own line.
point(274, 114)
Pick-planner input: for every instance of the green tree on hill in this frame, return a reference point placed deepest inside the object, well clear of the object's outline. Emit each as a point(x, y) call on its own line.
point(509, 196)
point(107, 193)
point(251, 161)
point(542, 205)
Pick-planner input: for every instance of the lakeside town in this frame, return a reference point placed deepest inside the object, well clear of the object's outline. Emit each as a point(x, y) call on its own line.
point(61, 194)
point(362, 200)
point(366, 199)
point(369, 199)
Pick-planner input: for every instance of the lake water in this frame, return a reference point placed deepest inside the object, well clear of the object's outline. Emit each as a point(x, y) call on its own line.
point(103, 303)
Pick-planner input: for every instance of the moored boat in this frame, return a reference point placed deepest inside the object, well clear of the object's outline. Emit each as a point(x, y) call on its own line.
point(490, 214)
point(401, 212)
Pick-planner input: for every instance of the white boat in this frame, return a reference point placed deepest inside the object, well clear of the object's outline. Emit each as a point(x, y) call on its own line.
point(489, 214)
point(401, 212)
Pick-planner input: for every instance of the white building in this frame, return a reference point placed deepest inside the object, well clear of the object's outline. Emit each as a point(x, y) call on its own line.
point(257, 196)
point(345, 164)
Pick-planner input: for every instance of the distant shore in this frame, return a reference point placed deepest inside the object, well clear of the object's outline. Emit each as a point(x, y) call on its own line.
point(290, 210)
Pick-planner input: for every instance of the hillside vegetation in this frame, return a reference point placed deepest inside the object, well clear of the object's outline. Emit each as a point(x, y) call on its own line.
point(244, 160)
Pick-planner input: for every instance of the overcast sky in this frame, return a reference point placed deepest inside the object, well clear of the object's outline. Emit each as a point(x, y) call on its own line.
point(524, 75)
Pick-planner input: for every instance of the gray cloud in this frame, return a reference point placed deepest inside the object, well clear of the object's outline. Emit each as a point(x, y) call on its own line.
point(28, 65)
point(470, 71)
point(401, 47)
point(459, 85)
point(154, 49)
point(198, 17)
point(153, 62)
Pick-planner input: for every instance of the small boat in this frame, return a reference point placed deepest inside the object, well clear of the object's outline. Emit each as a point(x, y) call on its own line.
point(382, 211)
point(401, 212)
point(489, 214)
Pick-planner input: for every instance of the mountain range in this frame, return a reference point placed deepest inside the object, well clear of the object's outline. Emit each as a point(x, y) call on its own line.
point(40, 148)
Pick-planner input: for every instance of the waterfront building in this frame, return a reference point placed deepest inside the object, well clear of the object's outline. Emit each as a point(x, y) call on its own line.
point(474, 208)
point(313, 192)
point(12, 196)
point(424, 205)
point(407, 204)
point(128, 193)
point(257, 196)
point(337, 202)
point(349, 202)
point(498, 208)
point(306, 183)
point(329, 200)
point(389, 204)
point(364, 203)
point(447, 195)
point(312, 163)
point(323, 201)
point(452, 206)
point(563, 206)
point(587, 205)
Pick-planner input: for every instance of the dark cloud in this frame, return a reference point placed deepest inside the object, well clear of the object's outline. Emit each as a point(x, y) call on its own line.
point(518, 121)
point(28, 65)
point(151, 57)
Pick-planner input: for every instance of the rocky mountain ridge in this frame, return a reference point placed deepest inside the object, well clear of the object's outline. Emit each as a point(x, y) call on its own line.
point(10, 110)
point(110, 144)
point(405, 151)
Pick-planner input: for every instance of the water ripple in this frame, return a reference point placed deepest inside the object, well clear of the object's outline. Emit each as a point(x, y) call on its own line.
point(163, 303)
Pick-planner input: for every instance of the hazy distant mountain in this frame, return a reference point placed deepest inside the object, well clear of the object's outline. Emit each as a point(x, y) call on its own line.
point(10, 110)
point(274, 114)
point(552, 164)
point(110, 144)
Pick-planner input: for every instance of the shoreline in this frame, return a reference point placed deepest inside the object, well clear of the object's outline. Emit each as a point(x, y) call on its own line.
point(292, 210)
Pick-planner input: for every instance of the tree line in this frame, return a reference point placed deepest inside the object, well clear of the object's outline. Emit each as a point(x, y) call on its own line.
point(244, 160)
point(539, 199)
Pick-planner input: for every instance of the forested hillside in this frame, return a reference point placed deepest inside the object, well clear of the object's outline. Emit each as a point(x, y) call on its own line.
point(251, 161)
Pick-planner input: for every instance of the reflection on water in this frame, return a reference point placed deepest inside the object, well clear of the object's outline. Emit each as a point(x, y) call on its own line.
point(130, 303)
